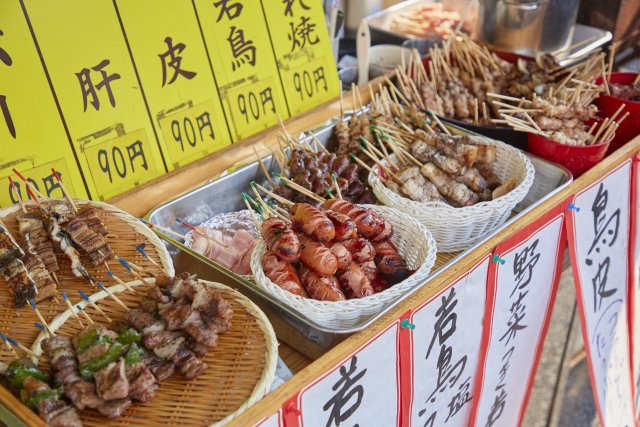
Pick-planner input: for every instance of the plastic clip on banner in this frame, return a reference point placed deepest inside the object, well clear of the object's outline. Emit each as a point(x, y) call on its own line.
point(599, 248)
point(102, 104)
point(303, 52)
point(363, 389)
point(177, 79)
point(522, 284)
point(445, 350)
point(237, 39)
point(32, 135)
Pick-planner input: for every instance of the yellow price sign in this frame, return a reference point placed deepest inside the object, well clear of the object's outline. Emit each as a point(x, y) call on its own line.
point(120, 162)
point(32, 135)
point(190, 134)
point(100, 97)
point(236, 35)
point(177, 78)
point(303, 52)
point(42, 178)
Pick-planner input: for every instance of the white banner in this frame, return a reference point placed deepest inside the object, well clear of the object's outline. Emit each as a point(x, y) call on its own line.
point(521, 295)
point(446, 348)
point(598, 236)
point(363, 390)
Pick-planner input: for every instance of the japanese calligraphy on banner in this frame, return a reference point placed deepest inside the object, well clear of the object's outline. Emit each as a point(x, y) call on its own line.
point(237, 39)
point(446, 348)
point(364, 389)
point(102, 104)
point(32, 135)
point(598, 243)
point(303, 52)
point(523, 278)
point(634, 286)
point(177, 79)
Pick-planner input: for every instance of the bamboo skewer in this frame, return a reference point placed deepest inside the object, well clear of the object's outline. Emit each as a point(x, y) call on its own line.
point(121, 282)
point(94, 305)
point(245, 199)
point(262, 166)
point(112, 296)
point(273, 195)
point(28, 183)
point(301, 189)
point(140, 248)
point(73, 312)
point(334, 178)
point(40, 317)
point(64, 190)
point(6, 343)
point(443, 127)
point(86, 316)
point(21, 347)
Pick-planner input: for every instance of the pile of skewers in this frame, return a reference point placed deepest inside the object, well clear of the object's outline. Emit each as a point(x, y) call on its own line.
point(426, 20)
point(336, 252)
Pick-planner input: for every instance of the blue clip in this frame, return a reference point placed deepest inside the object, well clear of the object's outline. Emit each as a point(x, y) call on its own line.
point(110, 273)
point(573, 207)
point(124, 263)
point(406, 324)
point(496, 258)
point(84, 296)
point(64, 295)
point(39, 326)
point(101, 286)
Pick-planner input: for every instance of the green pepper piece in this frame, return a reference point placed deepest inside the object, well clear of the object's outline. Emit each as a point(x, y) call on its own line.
point(129, 336)
point(17, 372)
point(90, 367)
point(134, 354)
point(35, 400)
point(86, 341)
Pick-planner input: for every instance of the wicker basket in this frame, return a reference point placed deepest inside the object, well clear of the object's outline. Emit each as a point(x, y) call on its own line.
point(241, 368)
point(456, 229)
point(414, 243)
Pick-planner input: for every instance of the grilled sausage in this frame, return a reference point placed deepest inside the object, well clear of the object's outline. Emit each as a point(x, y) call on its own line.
point(354, 282)
point(370, 270)
point(343, 256)
point(312, 222)
point(319, 287)
point(317, 257)
point(281, 239)
point(385, 232)
point(345, 227)
point(282, 273)
point(367, 222)
point(361, 249)
point(389, 262)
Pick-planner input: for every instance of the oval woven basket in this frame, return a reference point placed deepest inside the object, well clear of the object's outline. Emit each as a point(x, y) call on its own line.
point(415, 244)
point(456, 229)
point(241, 368)
point(125, 232)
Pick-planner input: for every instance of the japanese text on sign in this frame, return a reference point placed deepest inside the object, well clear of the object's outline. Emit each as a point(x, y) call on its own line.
point(446, 342)
point(521, 299)
point(600, 255)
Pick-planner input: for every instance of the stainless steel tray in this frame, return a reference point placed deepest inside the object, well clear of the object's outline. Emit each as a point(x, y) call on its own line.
point(223, 195)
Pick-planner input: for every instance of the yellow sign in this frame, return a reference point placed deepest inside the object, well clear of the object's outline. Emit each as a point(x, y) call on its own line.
point(124, 159)
point(32, 135)
point(237, 39)
point(303, 52)
point(87, 58)
point(176, 77)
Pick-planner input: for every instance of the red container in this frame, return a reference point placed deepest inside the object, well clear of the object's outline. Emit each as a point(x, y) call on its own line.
point(578, 159)
point(607, 105)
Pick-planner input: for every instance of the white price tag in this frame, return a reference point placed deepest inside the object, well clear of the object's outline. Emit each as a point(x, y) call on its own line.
point(521, 303)
point(363, 390)
point(446, 348)
point(600, 247)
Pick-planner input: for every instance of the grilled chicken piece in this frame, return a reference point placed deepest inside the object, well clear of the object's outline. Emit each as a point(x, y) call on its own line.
point(112, 382)
point(456, 193)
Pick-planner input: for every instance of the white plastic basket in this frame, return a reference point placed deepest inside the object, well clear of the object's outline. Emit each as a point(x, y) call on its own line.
point(456, 229)
point(414, 243)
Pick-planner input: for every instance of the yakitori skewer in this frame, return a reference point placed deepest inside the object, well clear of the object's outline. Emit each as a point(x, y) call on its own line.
point(15, 343)
point(86, 316)
point(273, 195)
point(121, 282)
point(40, 317)
point(94, 305)
point(73, 312)
point(334, 178)
point(245, 199)
point(140, 248)
point(165, 230)
point(299, 188)
point(112, 295)
point(64, 190)
point(8, 345)
point(28, 183)
point(130, 269)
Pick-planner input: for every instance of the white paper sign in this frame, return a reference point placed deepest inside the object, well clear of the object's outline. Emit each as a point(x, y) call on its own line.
point(274, 420)
point(363, 390)
point(522, 299)
point(601, 246)
point(636, 300)
point(446, 348)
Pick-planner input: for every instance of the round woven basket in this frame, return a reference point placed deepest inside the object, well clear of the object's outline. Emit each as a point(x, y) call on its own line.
point(241, 368)
point(456, 229)
point(414, 243)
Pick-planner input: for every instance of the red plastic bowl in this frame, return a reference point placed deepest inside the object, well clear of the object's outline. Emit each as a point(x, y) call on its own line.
point(607, 105)
point(578, 159)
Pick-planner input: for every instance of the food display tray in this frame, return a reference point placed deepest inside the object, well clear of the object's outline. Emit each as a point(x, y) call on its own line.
point(223, 195)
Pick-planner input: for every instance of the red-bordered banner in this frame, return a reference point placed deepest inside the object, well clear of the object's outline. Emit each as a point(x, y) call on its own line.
point(634, 286)
point(523, 280)
point(598, 227)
